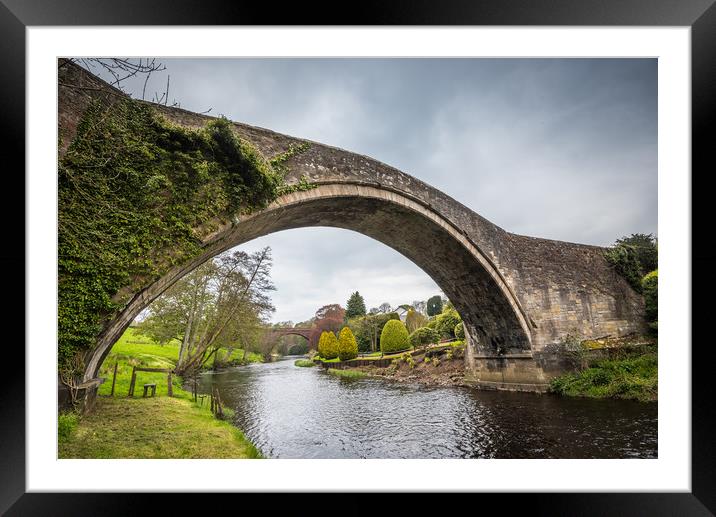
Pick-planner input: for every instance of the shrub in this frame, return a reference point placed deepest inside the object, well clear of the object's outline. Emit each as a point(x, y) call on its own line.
point(424, 336)
point(304, 363)
point(447, 322)
point(649, 286)
point(459, 331)
point(328, 345)
point(347, 345)
point(394, 337)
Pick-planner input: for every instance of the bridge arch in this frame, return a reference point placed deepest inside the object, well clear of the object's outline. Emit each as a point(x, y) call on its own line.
point(491, 311)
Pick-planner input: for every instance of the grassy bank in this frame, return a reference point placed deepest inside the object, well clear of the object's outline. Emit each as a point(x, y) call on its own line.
point(134, 349)
point(158, 427)
point(304, 363)
point(347, 374)
point(633, 378)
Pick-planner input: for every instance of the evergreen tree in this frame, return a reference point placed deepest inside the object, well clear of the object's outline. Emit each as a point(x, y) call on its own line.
point(394, 337)
point(435, 305)
point(328, 345)
point(355, 306)
point(347, 345)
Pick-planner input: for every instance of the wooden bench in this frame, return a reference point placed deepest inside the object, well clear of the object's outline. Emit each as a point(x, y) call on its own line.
point(147, 386)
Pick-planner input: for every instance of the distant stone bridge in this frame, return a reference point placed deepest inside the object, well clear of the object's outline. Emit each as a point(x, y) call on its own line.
point(516, 294)
point(296, 331)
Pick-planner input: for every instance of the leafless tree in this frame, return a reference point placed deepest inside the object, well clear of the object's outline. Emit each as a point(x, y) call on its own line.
point(118, 71)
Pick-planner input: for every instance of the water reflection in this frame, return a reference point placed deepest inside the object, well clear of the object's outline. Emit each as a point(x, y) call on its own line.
point(291, 412)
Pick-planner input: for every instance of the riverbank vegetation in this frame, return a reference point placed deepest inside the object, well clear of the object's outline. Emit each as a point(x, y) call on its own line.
point(346, 374)
point(629, 372)
point(304, 363)
point(632, 376)
point(135, 349)
point(221, 302)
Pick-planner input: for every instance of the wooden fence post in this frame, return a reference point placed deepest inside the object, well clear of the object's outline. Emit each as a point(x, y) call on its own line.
point(114, 378)
point(131, 383)
point(169, 387)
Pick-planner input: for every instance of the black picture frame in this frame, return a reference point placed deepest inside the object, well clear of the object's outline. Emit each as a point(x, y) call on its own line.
point(699, 15)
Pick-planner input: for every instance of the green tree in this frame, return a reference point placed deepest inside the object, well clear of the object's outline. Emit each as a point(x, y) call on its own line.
point(367, 329)
point(414, 320)
point(215, 306)
point(362, 331)
point(646, 248)
point(633, 257)
point(355, 306)
point(394, 337)
point(435, 305)
point(347, 345)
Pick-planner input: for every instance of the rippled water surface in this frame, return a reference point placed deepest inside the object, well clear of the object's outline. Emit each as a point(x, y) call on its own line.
point(291, 412)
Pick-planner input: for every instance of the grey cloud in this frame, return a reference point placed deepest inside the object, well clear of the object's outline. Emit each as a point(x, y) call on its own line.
point(557, 148)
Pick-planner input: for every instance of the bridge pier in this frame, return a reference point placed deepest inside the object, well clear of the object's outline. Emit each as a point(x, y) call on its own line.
point(518, 371)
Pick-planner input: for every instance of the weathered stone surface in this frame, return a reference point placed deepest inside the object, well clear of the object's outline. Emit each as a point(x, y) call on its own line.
point(516, 294)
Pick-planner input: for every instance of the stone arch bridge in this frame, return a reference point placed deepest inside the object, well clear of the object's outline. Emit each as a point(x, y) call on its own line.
point(295, 331)
point(516, 294)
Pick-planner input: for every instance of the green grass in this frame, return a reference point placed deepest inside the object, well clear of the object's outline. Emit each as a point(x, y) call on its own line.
point(153, 427)
point(134, 349)
point(348, 374)
point(304, 363)
point(334, 360)
point(630, 378)
point(237, 354)
point(160, 427)
point(66, 425)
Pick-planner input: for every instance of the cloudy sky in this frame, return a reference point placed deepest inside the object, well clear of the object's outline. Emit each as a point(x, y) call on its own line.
point(557, 148)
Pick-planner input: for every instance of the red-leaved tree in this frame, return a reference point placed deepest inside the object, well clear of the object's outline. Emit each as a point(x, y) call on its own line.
point(329, 318)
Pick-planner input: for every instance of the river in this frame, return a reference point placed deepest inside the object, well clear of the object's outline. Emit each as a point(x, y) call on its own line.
point(292, 412)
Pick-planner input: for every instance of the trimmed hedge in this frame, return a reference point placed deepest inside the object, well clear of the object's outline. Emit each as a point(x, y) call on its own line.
point(347, 345)
point(328, 345)
point(394, 337)
point(424, 336)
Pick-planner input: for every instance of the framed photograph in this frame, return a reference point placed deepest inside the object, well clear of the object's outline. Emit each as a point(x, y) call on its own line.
point(417, 254)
